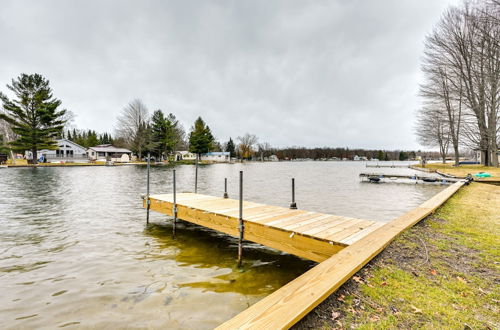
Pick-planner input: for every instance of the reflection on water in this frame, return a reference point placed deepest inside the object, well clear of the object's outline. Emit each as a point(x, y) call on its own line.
point(75, 251)
point(263, 270)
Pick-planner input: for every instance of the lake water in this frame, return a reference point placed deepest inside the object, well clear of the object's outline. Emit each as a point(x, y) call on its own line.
point(75, 251)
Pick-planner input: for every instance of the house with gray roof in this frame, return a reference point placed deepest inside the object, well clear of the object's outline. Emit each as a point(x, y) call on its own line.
point(67, 152)
point(107, 152)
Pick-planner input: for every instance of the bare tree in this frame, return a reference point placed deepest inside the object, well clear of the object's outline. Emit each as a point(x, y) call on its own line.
point(133, 126)
point(246, 145)
point(264, 150)
point(6, 131)
point(441, 95)
point(462, 67)
point(433, 130)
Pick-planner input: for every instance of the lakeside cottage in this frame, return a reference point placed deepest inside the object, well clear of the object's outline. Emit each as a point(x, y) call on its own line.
point(218, 157)
point(107, 152)
point(67, 151)
point(184, 155)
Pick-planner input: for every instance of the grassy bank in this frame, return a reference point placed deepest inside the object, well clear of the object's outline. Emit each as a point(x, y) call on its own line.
point(442, 273)
point(463, 170)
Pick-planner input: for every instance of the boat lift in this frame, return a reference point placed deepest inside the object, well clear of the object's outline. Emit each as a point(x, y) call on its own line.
point(381, 177)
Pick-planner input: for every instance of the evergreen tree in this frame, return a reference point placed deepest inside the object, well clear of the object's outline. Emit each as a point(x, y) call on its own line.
point(175, 132)
point(92, 140)
point(231, 148)
point(200, 138)
point(34, 115)
point(158, 133)
point(165, 133)
point(69, 136)
point(380, 155)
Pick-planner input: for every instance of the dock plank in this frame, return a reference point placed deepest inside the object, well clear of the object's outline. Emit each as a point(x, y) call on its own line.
point(281, 228)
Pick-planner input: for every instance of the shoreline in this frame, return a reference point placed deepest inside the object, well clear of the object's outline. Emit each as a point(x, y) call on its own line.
point(461, 172)
point(429, 276)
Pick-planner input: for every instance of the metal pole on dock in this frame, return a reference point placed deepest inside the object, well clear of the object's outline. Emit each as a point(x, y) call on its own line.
point(241, 226)
point(196, 176)
point(225, 188)
point(293, 205)
point(148, 201)
point(174, 210)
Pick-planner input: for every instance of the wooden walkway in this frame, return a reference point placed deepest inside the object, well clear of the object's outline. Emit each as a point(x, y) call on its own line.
point(287, 305)
point(311, 235)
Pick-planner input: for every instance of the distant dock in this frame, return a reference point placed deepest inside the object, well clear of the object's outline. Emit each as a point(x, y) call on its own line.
point(379, 177)
point(387, 166)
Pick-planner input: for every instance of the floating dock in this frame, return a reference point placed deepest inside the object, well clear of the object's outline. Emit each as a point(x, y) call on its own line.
point(311, 235)
point(386, 165)
point(379, 176)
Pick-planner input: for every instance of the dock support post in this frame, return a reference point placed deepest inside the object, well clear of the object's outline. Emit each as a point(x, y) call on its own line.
point(241, 226)
point(196, 176)
point(148, 201)
point(225, 188)
point(293, 205)
point(174, 210)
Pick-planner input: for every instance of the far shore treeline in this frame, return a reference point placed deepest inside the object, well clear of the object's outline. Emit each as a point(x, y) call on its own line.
point(34, 119)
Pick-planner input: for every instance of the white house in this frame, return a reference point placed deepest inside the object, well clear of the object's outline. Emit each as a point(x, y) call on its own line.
point(217, 157)
point(107, 152)
point(222, 157)
point(184, 155)
point(67, 151)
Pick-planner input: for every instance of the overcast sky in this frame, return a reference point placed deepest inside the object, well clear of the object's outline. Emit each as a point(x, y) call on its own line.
point(304, 73)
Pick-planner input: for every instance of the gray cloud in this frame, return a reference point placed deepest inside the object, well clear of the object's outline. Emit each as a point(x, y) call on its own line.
point(309, 73)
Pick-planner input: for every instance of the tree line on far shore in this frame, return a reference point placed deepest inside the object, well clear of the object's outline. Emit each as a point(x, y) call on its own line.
point(33, 120)
point(461, 91)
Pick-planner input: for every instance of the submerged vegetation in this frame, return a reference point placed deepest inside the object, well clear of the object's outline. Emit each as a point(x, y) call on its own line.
point(442, 273)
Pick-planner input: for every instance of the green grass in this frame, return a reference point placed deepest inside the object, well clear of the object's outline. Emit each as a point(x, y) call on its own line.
point(463, 170)
point(441, 274)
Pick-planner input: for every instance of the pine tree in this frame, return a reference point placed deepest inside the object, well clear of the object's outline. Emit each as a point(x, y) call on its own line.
point(92, 140)
point(34, 115)
point(200, 138)
point(165, 133)
point(174, 132)
point(230, 147)
point(158, 133)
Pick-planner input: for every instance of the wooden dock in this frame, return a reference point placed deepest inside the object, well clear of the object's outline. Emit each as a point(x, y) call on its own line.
point(311, 235)
point(287, 305)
